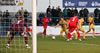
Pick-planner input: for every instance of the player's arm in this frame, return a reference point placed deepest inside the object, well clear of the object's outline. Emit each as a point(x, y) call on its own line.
point(42, 21)
point(68, 24)
point(79, 24)
point(48, 20)
point(58, 24)
point(8, 33)
point(93, 21)
point(27, 27)
point(88, 19)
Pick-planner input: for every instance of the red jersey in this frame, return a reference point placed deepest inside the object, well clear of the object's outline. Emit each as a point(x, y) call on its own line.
point(73, 21)
point(45, 20)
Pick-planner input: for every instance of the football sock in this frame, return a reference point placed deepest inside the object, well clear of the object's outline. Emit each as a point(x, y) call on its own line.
point(83, 35)
point(27, 45)
point(10, 39)
point(26, 40)
point(44, 32)
point(78, 35)
point(69, 35)
point(75, 35)
point(93, 33)
point(63, 36)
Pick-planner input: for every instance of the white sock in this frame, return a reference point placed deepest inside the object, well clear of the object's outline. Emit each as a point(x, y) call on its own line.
point(8, 44)
point(27, 45)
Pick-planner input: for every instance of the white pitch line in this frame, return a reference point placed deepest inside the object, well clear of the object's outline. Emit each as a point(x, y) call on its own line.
point(86, 44)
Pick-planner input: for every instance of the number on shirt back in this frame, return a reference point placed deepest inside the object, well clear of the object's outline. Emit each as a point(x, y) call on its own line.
point(73, 19)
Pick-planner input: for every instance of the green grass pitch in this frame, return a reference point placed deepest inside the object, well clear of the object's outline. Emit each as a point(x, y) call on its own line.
point(47, 45)
point(17, 45)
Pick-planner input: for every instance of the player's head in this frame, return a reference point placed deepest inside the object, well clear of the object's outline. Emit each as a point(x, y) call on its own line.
point(74, 14)
point(67, 19)
point(20, 17)
point(45, 16)
point(62, 18)
point(91, 15)
point(82, 17)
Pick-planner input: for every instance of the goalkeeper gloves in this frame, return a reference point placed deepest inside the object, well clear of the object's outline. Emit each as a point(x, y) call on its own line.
point(8, 33)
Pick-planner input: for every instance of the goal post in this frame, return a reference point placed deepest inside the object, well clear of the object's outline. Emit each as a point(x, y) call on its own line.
point(34, 37)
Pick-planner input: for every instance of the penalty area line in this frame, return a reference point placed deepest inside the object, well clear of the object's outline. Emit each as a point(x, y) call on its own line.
point(87, 44)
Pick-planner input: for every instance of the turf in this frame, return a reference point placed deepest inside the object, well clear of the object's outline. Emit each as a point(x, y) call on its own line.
point(17, 45)
point(47, 45)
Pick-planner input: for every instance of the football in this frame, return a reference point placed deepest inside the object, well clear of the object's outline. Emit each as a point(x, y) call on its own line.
point(53, 37)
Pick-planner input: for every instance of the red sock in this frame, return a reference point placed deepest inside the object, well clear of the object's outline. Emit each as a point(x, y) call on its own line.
point(10, 39)
point(69, 35)
point(26, 40)
point(78, 35)
point(44, 32)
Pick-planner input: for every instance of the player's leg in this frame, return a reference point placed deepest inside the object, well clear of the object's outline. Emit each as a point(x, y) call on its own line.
point(44, 32)
point(82, 30)
point(61, 33)
point(10, 39)
point(69, 36)
point(45, 27)
point(76, 29)
point(89, 29)
point(26, 39)
point(70, 33)
point(66, 32)
point(76, 36)
point(93, 31)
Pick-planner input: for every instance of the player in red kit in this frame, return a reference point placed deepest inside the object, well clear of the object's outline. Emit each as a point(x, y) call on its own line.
point(73, 27)
point(45, 21)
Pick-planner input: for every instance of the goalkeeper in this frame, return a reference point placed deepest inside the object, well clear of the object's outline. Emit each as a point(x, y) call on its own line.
point(17, 27)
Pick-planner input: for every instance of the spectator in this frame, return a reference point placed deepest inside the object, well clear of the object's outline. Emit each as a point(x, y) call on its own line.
point(96, 11)
point(22, 11)
point(8, 20)
point(26, 13)
point(56, 22)
point(53, 11)
point(41, 14)
point(72, 12)
point(0, 13)
point(81, 13)
point(97, 20)
point(48, 11)
point(68, 12)
point(59, 9)
point(17, 14)
point(98, 14)
point(56, 12)
point(65, 12)
point(61, 14)
point(76, 11)
point(50, 22)
point(86, 12)
point(7, 13)
point(4, 14)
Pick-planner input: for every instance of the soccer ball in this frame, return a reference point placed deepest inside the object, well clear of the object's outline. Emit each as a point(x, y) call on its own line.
point(53, 37)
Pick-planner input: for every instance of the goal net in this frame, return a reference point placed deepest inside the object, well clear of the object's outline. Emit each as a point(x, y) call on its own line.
point(16, 41)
